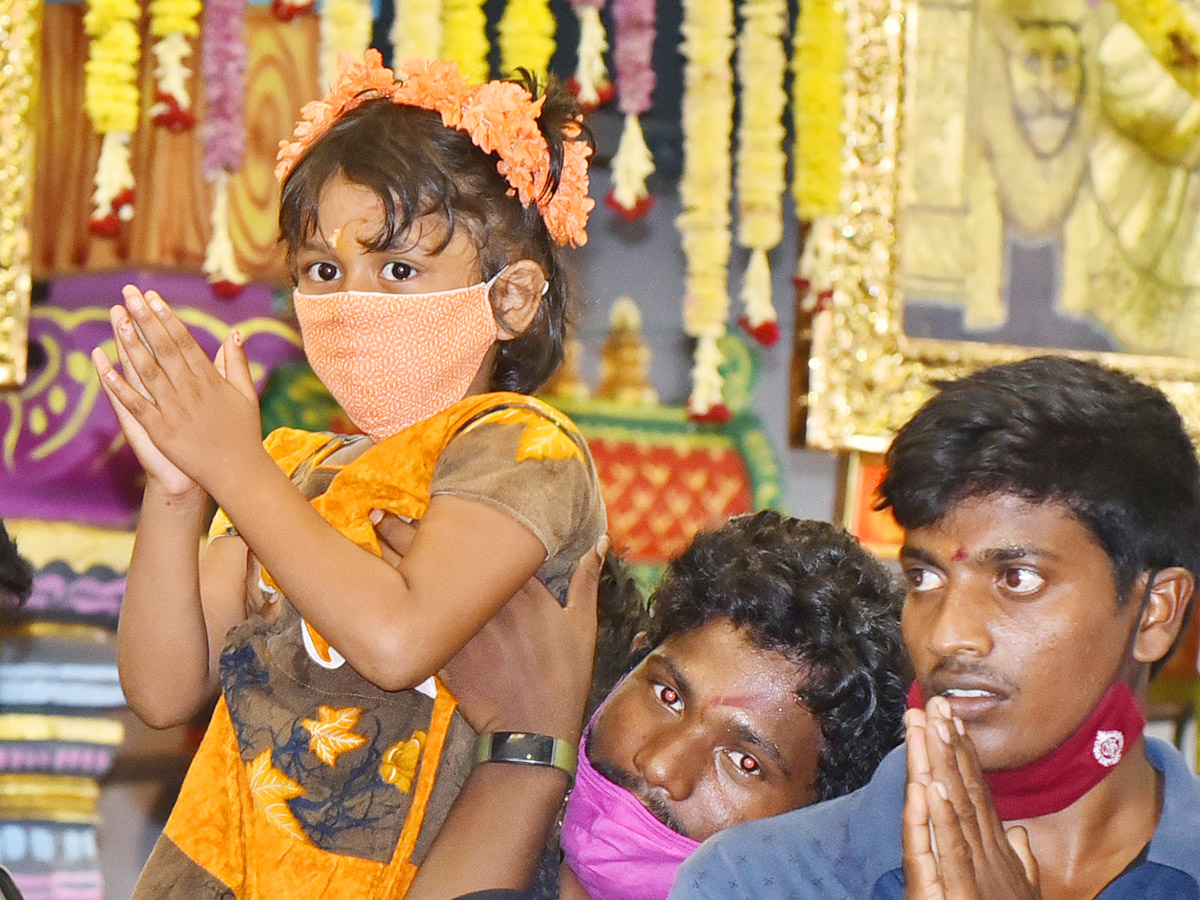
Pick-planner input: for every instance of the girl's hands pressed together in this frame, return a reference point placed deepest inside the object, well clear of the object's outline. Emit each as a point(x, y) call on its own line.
point(175, 406)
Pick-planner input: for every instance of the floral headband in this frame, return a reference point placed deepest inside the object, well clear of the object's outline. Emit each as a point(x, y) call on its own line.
point(500, 117)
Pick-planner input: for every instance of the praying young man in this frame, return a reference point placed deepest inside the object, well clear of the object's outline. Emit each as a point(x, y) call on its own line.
point(775, 679)
point(1051, 511)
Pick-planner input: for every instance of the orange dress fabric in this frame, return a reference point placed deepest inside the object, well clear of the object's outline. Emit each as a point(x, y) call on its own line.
point(310, 780)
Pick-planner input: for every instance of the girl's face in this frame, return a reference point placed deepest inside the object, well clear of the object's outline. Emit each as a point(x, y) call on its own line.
point(338, 257)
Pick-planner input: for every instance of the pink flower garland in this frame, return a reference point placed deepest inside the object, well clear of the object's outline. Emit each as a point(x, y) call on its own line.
point(224, 64)
point(635, 32)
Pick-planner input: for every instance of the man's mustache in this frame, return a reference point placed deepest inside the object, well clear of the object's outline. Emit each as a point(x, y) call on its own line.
point(650, 798)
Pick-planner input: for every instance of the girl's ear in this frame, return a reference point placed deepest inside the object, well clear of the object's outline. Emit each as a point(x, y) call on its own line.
point(516, 296)
point(1163, 614)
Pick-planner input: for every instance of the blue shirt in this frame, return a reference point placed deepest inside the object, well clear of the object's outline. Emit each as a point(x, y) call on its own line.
point(850, 848)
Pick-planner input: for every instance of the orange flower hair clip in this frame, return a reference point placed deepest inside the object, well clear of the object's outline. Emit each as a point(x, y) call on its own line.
point(500, 117)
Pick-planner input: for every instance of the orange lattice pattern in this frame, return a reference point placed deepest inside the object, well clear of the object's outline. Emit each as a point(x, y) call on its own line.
point(659, 495)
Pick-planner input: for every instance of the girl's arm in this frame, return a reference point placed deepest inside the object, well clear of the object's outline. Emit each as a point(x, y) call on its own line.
point(177, 610)
point(529, 669)
point(394, 626)
point(168, 637)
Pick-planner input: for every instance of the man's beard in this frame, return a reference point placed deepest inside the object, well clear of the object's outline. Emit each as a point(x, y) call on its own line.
point(648, 797)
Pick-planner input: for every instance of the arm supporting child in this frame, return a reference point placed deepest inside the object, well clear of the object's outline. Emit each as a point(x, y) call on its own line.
point(530, 670)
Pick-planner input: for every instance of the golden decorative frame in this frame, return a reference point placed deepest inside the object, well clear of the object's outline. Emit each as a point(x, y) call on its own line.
point(865, 376)
point(19, 50)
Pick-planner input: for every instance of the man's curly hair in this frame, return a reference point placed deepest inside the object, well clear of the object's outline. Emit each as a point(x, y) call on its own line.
point(809, 591)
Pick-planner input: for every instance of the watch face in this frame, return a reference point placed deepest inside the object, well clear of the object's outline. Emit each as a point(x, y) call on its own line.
point(523, 747)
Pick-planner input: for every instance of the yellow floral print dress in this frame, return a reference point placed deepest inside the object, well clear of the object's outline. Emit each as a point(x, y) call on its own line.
point(312, 782)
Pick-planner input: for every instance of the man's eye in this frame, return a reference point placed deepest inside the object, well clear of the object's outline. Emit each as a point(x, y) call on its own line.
point(322, 271)
point(922, 579)
point(1021, 580)
point(397, 271)
point(745, 763)
point(668, 696)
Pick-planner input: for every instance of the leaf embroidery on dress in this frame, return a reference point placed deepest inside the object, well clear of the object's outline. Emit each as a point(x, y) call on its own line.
point(543, 437)
point(399, 765)
point(271, 790)
point(333, 734)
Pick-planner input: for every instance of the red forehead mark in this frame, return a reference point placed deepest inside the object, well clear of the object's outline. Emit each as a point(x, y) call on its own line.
point(959, 555)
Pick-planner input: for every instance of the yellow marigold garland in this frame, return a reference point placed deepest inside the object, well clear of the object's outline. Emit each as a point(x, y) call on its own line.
point(173, 23)
point(761, 159)
point(818, 66)
point(111, 99)
point(526, 32)
point(464, 37)
point(417, 29)
point(345, 28)
point(1170, 36)
point(704, 190)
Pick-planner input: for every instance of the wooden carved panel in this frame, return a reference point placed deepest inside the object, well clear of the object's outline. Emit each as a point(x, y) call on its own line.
point(170, 228)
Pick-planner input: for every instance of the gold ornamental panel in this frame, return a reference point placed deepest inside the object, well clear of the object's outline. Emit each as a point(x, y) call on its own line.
point(19, 47)
point(1020, 177)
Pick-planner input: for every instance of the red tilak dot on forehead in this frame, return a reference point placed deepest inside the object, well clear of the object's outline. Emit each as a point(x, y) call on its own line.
point(959, 555)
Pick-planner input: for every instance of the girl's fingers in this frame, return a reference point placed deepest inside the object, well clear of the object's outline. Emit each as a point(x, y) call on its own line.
point(137, 357)
point(168, 354)
point(127, 368)
point(122, 396)
point(237, 366)
point(191, 351)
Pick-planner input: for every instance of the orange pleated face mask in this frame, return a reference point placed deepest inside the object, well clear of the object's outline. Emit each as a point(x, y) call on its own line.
point(394, 359)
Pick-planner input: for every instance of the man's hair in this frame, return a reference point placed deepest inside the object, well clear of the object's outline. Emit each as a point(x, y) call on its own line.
point(1111, 450)
point(16, 574)
point(808, 591)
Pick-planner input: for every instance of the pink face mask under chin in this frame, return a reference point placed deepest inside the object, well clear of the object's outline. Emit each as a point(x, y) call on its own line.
point(617, 849)
point(394, 359)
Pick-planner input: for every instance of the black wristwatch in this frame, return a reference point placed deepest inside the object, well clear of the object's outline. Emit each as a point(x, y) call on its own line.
point(526, 748)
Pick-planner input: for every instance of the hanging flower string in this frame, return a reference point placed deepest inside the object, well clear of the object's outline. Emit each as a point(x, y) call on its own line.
point(345, 28)
point(110, 98)
point(417, 29)
point(761, 159)
point(704, 190)
point(1166, 30)
point(286, 10)
point(223, 58)
point(590, 82)
point(819, 68)
point(633, 163)
point(526, 32)
point(464, 37)
point(173, 23)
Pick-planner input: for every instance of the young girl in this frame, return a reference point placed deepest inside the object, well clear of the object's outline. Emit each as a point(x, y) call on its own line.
point(423, 219)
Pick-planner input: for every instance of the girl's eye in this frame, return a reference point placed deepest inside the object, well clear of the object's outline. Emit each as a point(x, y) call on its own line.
point(397, 271)
point(921, 579)
point(322, 271)
point(668, 696)
point(745, 763)
point(1021, 580)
